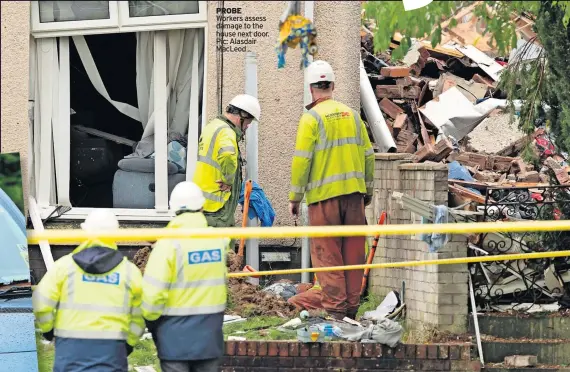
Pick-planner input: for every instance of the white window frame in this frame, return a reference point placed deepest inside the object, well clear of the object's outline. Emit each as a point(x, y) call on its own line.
point(125, 20)
point(39, 27)
point(119, 22)
point(46, 194)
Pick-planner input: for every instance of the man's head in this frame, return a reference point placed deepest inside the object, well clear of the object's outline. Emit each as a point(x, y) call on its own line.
point(242, 110)
point(186, 197)
point(100, 220)
point(320, 77)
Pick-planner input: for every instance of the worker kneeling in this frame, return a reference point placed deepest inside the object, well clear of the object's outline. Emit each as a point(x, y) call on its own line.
point(90, 300)
point(184, 290)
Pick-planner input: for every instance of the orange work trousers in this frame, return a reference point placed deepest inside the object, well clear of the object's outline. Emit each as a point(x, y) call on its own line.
point(340, 289)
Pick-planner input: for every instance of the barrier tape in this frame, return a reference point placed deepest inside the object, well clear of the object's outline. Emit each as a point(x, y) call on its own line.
point(152, 234)
point(390, 265)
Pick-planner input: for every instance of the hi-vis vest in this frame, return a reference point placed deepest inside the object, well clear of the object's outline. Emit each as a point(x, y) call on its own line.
point(90, 306)
point(333, 154)
point(187, 276)
point(217, 160)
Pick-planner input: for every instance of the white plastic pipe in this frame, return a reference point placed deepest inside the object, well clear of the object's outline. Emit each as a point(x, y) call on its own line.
point(251, 143)
point(305, 243)
point(380, 131)
point(38, 226)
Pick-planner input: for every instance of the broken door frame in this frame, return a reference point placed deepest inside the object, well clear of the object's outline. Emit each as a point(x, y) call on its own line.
point(53, 118)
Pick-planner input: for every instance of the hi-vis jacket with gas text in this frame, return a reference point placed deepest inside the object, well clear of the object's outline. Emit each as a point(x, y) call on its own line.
point(184, 288)
point(218, 154)
point(333, 154)
point(91, 297)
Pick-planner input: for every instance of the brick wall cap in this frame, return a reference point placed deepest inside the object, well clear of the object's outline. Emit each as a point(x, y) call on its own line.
point(423, 167)
point(392, 156)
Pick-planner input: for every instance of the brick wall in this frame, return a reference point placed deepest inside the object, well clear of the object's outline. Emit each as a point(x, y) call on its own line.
point(436, 296)
point(249, 356)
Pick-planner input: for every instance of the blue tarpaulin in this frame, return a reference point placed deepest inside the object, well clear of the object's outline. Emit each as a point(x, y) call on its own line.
point(13, 266)
point(459, 172)
point(259, 205)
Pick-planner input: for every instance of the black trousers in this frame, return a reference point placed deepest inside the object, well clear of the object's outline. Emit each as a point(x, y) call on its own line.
point(208, 365)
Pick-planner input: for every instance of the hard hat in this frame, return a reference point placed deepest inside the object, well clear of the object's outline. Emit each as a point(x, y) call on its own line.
point(100, 219)
point(187, 195)
point(319, 71)
point(247, 103)
point(415, 4)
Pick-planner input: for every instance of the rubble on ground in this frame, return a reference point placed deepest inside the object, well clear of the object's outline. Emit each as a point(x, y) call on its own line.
point(442, 104)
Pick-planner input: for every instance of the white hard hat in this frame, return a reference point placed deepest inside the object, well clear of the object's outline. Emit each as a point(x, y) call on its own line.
point(187, 195)
point(100, 219)
point(320, 71)
point(247, 103)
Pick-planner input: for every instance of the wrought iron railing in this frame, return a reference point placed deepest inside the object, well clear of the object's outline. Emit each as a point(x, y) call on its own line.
point(514, 283)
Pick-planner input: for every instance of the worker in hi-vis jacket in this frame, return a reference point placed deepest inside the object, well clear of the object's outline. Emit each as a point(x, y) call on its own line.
point(219, 168)
point(90, 301)
point(184, 290)
point(333, 168)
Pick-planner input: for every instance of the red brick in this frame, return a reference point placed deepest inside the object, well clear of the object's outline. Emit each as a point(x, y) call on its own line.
point(395, 71)
point(368, 350)
point(326, 350)
point(466, 352)
point(378, 350)
point(304, 350)
point(283, 349)
point(432, 351)
point(398, 91)
point(400, 351)
point(390, 108)
point(443, 351)
point(262, 349)
point(336, 349)
point(434, 365)
point(252, 348)
point(294, 349)
point(454, 352)
point(272, 349)
point(410, 351)
point(230, 348)
point(346, 349)
point(228, 361)
point(315, 350)
point(421, 352)
point(388, 351)
point(460, 365)
point(357, 350)
point(475, 366)
point(242, 348)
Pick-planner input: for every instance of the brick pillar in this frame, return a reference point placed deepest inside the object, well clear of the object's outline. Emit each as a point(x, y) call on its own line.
point(435, 296)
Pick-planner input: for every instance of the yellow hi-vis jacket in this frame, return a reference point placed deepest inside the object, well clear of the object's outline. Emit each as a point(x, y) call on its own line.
point(185, 277)
point(80, 305)
point(333, 154)
point(218, 155)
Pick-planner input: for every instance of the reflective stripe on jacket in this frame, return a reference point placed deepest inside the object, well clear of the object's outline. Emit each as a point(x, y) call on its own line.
point(218, 154)
point(92, 294)
point(333, 154)
point(184, 291)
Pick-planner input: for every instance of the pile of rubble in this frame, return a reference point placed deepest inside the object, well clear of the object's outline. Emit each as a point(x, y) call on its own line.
point(442, 104)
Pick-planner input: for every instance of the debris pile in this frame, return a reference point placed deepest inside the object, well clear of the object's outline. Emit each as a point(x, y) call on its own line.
point(442, 104)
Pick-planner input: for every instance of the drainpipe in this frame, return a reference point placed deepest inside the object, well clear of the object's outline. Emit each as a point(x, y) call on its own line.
point(305, 247)
point(380, 131)
point(251, 142)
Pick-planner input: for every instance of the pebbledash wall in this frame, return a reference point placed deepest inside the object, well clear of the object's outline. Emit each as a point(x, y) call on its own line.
point(250, 356)
point(436, 297)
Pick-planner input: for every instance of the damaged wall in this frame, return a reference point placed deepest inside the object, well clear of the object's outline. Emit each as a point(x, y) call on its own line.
point(15, 53)
point(436, 296)
point(280, 92)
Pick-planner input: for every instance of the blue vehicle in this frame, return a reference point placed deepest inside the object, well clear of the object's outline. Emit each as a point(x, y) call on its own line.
point(18, 350)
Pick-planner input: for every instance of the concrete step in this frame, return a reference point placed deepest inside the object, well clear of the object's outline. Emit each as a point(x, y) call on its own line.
point(551, 352)
point(548, 326)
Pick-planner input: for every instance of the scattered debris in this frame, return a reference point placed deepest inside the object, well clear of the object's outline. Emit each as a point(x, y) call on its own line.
point(141, 258)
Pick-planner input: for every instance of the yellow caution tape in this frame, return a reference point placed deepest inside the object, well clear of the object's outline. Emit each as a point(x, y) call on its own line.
point(152, 234)
point(445, 261)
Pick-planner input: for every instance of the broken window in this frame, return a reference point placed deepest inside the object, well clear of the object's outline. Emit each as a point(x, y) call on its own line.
point(116, 117)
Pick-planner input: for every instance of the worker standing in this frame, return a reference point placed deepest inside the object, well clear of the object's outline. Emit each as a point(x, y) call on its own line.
point(333, 168)
point(219, 168)
point(184, 290)
point(90, 300)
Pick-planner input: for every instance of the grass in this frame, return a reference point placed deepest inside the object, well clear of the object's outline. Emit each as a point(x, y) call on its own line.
point(256, 328)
